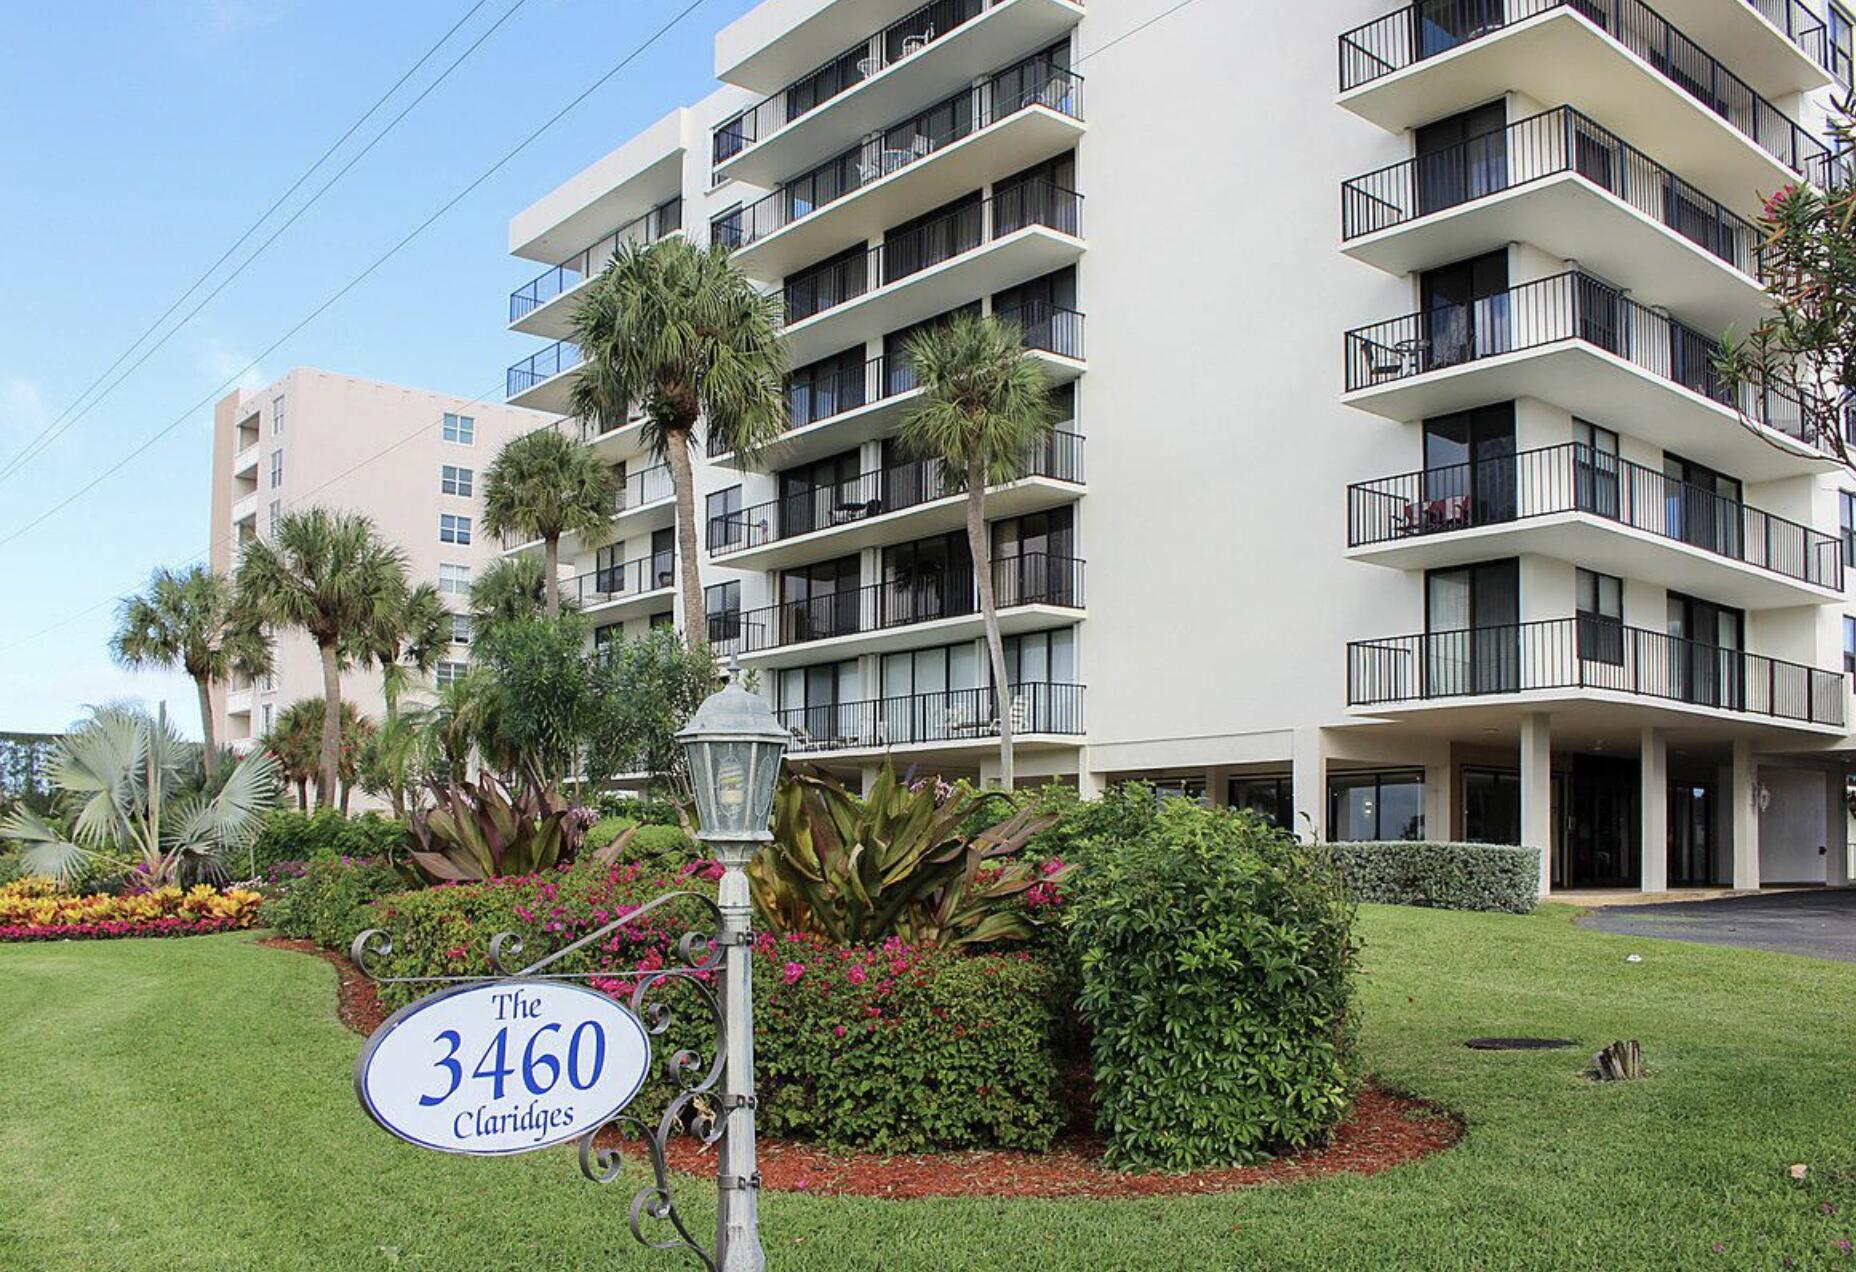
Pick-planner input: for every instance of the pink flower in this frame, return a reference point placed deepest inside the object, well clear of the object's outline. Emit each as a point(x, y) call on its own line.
point(792, 972)
point(858, 975)
point(837, 1031)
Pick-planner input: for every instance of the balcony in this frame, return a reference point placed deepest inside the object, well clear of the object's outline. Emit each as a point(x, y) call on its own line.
point(1019, 234)
point(1779, 46)
point(1007, 123)
point(1584, 346)
point(1561, 182)
point(626, 590)
point(905, 501)
point(1600, 511)
point(245, 462)
point(540, 382)
point(238, 701)
point(1029, 592)
point(834, 412)
point(1618, 61)
point(937, 50)
point(544, 306)
point(245, 509)
point(944, 720)
point(1590, 659)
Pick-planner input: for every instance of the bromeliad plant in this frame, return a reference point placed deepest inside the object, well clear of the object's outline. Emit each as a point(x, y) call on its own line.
point(484, 830)
point(894, 863)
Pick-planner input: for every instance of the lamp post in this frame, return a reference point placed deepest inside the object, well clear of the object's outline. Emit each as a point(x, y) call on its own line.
point(734, 745)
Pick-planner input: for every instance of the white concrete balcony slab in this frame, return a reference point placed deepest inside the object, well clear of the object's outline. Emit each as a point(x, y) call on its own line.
point(1607, 58)
point(245, 510)
point(245, 463)
point(624, 185)
point(893, 505)
point(545, 305)
point(238, 702)
point(792, 228)
point(1563, 183)
point(1777, 46)
point(637, 588)
point(544, 380)
point(1576, 342)
point(866, 87)
point(949, 724)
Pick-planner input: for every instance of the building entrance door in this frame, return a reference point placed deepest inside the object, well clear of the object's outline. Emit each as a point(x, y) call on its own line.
point(1604, 829)
point(1691, 834)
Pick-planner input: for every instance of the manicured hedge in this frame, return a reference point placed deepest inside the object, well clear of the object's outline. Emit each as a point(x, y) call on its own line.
point(895, 1049)
point(1216, 962)
point(1444, 876)
point(294, 836)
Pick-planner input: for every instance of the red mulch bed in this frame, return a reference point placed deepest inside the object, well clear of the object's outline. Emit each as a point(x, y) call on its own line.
point(1384, 1130)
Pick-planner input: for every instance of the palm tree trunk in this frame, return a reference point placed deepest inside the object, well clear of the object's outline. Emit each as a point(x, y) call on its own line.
point(695, 617)
point(979, 544)
point(302, 794)
point(331, 728)
point(551, 574)
point(209, 743)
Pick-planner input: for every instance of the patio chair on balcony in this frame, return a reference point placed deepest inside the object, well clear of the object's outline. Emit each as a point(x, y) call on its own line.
point(868, 66)
point(911, 45)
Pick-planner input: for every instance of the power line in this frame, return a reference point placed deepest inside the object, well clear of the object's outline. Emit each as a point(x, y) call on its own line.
point(352, 283)
point(55, 431)
point(27, 451)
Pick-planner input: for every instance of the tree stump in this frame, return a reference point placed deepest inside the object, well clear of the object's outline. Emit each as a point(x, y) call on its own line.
point(1620, 1062)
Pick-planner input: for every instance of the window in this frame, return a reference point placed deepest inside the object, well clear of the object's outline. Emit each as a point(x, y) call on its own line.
point(453, 528)
point(722, 603)
point(453, 480)
point(273, 514)
point(449, 673)
point(461, 429)
point(1271, 798)
point(1600, 603)
point(1849, 645)
point(264, 718)
point(460, 629)
point(277, 469)
point(1376, 806)
point(725, 230)
point(726, 527)
point(609, 634)
point(610, 577)
point(1841, 25)
point(822, 706)
point(277, 415)
point(269, 683)
point(454, 580)
point(1491, 806)
point(665, 619)
point(1846, 518)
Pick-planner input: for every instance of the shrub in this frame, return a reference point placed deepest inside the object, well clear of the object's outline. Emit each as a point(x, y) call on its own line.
point(891, 1048)
point(1216, 964)
point(294, 836)
point(666, 844)
point(328, 903)
point(33, 909)
point(604, 831)
point(647, 810)
point(1445, 876)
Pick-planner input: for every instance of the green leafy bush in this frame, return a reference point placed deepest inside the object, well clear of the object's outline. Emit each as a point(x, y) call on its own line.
point(665, 844)
point(648, 810)
point(1216, 963)
point(891, 1048)
point(1441, 875)
point(604, 831)
point(294, 836)
point(329, 903)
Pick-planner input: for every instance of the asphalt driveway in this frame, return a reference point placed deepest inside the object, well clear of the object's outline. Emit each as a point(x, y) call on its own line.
point(1814, 923)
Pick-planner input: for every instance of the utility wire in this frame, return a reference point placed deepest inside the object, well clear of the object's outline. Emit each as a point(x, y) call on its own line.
point(227, 281)
point(26, 452)
point(351, 284)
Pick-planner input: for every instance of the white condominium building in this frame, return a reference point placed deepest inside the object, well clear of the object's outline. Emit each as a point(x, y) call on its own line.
point(410, 460)
point(1397, 495)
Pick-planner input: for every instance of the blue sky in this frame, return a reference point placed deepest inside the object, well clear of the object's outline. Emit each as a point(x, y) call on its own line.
point(143, 137)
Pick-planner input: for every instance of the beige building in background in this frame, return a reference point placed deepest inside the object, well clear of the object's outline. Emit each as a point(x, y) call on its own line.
point(411, 460)
point(1412, 504)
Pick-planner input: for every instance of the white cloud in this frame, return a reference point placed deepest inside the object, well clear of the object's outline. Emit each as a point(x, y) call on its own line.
point(223, 19)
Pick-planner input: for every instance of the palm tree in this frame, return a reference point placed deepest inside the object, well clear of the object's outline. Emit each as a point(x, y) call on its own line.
point(192, 620)
point(543, 485)
point(509, 588)
point(408, 638)
point(295, 740)
point(124, 777)
point(985, 407)
point(680, 330)
point(330, 574)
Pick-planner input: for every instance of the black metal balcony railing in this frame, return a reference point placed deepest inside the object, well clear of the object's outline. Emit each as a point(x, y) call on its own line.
point(1556, 141)
point(1047, 328)
point(1032, 83)
point(923, 597)
point(901, 39)
point(1428, 28)
point(1589, 652)
point(1573, 477)
point(1801, 27)
point(666, 218)
point(892, 489)
point(903, 255)
point(646, 486)
point(631, 578)
point(951, 715)
point(1564, 307)
point(562, 355)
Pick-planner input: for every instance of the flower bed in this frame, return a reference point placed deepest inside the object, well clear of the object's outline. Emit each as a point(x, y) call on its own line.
point(33, 910)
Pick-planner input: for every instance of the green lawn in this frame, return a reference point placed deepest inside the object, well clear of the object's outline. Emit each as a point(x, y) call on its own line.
point(187, 1104)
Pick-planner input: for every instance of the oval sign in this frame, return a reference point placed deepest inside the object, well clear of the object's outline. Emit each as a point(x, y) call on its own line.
point(502, 1067)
